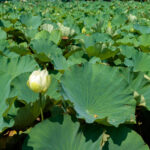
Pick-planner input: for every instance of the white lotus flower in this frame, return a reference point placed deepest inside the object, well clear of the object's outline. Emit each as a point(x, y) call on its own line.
point(39, 81)
point(132, 17)
point(47, 27)
point(66, 31)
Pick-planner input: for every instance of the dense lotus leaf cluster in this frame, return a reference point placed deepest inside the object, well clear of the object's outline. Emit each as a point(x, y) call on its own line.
point(97, 57)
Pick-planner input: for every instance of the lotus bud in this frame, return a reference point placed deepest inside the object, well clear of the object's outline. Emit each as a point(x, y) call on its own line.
point(132, 18)
point(39, 81)
point(132, 30)
point(109, 28)
point(83, 30)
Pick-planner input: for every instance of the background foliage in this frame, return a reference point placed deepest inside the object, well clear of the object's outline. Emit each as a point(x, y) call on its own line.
point(97, 54)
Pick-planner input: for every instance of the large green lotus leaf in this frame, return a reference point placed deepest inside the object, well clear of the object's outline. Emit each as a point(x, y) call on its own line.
point(4, 123)
point(45, 46)
point(141, 62)
point(136, 81)
point(21, 49)
point(128, 62)
point(55, 36)
point(97, 38)
point(7, 24)
point(22, 115)
point(3, 34)
point(145, 96)
point(90, 21)
point(130, 41)
point(21, 90)
point(119, 20)
point(11, 103)
point(30, 33)
point(59, 62)
point(139, 85)
point(31, 21)
point(127, 28)
point(54, 89)
point(52, 135)
point(17, 66)
point(25, 116)
point(76, 58)
point(3, 45)
point(123, 138)
point(142, 29)
point(99, 51)
point(48, 51)
point(98, 45)
point(144, 40)
point(9, 54)
point(95, 60)
point(3, 41)
point(99, 92)
point(11, 68)
point(42, 35)
point(5, 80)
point(127, 51)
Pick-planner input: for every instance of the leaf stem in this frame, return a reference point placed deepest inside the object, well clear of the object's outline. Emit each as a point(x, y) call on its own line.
point(64, 105)
point(41, 106)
